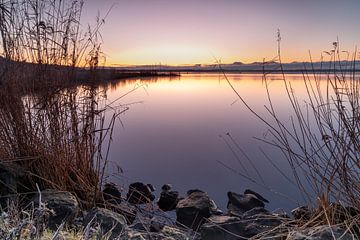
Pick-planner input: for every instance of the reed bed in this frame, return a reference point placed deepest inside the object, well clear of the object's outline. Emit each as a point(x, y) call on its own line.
point(51, 134)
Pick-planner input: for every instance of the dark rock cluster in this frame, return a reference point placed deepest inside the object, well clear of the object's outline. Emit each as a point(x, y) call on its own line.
point(197, 216)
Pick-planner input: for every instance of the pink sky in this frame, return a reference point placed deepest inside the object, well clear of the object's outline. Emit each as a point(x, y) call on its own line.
point(188, 32)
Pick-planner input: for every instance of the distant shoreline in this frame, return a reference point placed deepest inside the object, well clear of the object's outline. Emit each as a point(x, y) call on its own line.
point(301, 71)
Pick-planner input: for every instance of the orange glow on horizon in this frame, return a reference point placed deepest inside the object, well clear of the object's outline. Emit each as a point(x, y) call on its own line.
point(194, 32)
point(176, 60)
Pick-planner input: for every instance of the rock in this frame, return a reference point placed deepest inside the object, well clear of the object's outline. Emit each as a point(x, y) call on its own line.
point(342, 213)
point(241, 203)
point(321, 233)
point(174, 233)
point(214, 210)
point(193, 191)
point(108, 221)
point(111, 194)
point(156, 226)
point(255, 212)
point(133, 235)
point(258, 196)
point(139, 193)
point(168, 199)
point(259, 220)
point(251, 223)
point(167, 233)
point(222, 227)
point(151, 187)
point(139, 226)
point(302, 212)
point(192, 210)
point(129, 212)
point(112, 197)
point(64, 205)
point(10, 177)
point(147, 225)
point(166, 187)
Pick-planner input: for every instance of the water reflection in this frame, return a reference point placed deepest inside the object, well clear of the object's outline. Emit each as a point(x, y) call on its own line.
point(178, 134)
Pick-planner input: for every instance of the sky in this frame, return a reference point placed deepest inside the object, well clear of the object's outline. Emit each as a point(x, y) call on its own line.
point(178, 32)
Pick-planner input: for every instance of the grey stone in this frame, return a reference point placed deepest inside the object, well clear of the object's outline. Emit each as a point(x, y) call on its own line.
point(140, 193)
point(257, 195)
point(192, 210)
point(174, 233)
point(168, 200)
point(240, 203)
point(222, 227)
point(126, 210)
point(109, 221)
point(166, 187)
point(111, 194)
point(251, 223)
point(167, 233)
point(302, 212)
point(321, 233)
point(64, 206)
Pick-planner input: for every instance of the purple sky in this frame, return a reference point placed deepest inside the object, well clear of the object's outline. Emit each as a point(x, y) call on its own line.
point(193, 31)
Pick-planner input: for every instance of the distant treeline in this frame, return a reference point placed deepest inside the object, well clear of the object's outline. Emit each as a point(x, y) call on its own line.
point(257, 67)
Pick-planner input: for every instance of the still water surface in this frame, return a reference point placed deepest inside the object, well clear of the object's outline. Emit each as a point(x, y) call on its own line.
point(176, 132)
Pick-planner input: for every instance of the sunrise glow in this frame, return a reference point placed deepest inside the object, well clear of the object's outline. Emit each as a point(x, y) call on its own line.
point(191, 32)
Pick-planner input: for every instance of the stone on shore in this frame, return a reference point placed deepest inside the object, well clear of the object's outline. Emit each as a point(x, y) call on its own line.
point(167, 233)
point(222, 227)
point(64, 206)
point(302, 212)
point(109, 222)
point(140, 193)
point(321, 233)
point(111, 194)
point(247, 225)
point(194, 209)
point(240, 203)
point(168, 199)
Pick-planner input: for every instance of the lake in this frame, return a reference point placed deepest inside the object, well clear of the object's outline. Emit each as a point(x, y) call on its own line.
point(176, 132)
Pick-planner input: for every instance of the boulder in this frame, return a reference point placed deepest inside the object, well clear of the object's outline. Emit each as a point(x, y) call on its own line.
point(302, 212)
point(321, 233)
point(192, 210)
point(214, 210)
point(64, 206)
point(148, 225)
point(168, 199)
point(108, 221)
point(113, 201)
point(174, 233)
point(126, 210)
point(111, 194)
point(167, 233)
point(222, 227)
point(257, 195)
point(240, 203)
point(251, 223)
point(139, 193)
point(166, 187)
point(11, 175)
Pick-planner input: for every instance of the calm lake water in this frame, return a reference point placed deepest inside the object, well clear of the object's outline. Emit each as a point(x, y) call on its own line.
point(176, 132)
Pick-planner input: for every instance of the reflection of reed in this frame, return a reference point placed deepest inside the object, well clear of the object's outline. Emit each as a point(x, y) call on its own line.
point(129, 82)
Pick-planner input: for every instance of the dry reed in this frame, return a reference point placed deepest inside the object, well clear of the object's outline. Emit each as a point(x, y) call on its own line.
point(53, 133)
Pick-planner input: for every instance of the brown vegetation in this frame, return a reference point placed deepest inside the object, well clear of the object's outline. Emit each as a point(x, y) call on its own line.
point(55, 135)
